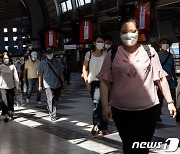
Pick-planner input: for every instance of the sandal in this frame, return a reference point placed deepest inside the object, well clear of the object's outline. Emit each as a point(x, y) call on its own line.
point(103, 132)
point(94, 130)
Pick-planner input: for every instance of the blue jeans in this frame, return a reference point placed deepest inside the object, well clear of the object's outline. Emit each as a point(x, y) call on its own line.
point(97, 111)
point(31, 83)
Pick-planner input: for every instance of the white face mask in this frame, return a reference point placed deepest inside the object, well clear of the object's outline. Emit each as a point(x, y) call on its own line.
point(129, 39)
point(6, 61)
point(165, 46)
point(107, 46)
point(50, 56)
point(34, 58)
point(100, 46)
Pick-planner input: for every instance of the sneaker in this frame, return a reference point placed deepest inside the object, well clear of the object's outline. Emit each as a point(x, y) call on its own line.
point(53, 118)
point(11, 117)
point(27, 100)
point(39, 102)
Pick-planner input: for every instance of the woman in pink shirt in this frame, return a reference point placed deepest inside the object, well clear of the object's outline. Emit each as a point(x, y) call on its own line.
point(134, 100)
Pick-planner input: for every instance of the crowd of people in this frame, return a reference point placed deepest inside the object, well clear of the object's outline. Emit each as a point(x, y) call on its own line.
point(127, 83)
point(30, 75)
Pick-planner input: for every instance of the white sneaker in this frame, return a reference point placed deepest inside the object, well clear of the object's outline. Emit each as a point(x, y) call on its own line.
point(27, 100)
point(39, 102)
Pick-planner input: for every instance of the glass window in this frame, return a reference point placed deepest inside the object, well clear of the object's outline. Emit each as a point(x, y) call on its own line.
point(63, 6)
point(5, 38)
point(77, 4)
point(14, 29)
point(87, 1)
point(14, 38)
point(81, 2)
point(69, 4)
point(5, 30)
point(6, 47)
point(15, 47)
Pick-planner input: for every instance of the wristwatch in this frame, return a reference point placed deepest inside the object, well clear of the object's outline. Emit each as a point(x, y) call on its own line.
point(171, 102)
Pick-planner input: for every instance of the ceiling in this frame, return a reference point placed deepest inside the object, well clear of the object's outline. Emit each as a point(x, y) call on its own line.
point(11, 9)
point(171, 11)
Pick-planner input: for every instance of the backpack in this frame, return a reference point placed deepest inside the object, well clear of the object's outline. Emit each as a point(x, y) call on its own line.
point(145, 46)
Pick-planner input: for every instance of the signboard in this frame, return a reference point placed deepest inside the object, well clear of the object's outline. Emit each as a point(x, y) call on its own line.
point(70, 47)
point(142, 14)
point(50, 39)
point(86, 31)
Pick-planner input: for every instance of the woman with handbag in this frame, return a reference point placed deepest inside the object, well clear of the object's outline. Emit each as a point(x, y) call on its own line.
point(91, 67)
point(134, 99)
point(8, 81)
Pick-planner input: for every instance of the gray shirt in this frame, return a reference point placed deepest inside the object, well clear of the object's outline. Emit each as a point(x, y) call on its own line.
point(50, 80)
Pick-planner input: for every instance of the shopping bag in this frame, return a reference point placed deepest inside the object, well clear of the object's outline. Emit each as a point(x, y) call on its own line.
point(24, 87)
point(19, 99)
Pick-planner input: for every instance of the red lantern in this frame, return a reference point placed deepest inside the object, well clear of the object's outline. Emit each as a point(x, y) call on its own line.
point(86, 31)
point(51, 39)
point(142, 14)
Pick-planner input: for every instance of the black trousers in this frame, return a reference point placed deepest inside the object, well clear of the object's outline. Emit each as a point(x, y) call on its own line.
point(8, 100)
point(135, 126)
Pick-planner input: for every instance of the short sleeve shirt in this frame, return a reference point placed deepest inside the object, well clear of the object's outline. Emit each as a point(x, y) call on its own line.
point(168, 67)
point(133, 78)
point(32, 68)
point(95, 65)
point(50, 80)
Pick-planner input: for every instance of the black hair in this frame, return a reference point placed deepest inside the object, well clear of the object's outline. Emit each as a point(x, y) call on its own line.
point(107, 37)
point(164, 39)
point(128, 19)
point(7, 53)
point(93, 47)
point(49, 50)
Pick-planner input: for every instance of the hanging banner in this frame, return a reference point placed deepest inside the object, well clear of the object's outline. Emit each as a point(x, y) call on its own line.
point(50, 39)
point(86, 31)
point(142, 14)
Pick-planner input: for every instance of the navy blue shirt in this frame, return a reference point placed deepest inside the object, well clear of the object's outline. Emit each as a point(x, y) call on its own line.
point(168, 67)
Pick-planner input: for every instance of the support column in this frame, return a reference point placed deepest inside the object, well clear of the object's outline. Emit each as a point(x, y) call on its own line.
point(95, 17)
point(154, 31)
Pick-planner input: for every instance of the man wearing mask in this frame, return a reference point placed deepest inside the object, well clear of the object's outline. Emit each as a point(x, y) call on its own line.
point(51, 75)
point(167, 62)
point(107, 43)
point(31, 69)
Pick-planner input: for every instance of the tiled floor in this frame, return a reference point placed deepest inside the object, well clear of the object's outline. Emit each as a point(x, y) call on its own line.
point(32, 131)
